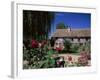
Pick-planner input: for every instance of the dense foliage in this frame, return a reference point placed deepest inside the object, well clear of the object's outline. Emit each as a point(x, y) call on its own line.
point(39, 57)
point(37, 24)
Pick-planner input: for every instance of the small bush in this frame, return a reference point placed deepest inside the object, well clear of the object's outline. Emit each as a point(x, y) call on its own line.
point(75, 48)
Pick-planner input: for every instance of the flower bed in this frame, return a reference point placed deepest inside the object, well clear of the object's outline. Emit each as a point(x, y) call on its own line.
point(39, 54)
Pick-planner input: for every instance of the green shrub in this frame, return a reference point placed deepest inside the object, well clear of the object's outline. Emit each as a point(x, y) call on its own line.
point(67, 45)
point(39, 58)
point(85, 47)
point(75, 48)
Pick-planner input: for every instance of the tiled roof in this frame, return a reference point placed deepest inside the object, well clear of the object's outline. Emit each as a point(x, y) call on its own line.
point(72, 33)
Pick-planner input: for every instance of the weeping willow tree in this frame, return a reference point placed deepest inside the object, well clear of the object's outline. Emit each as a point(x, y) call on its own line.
point(37, 23)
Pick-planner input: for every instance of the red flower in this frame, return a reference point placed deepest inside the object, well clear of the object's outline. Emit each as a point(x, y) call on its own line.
point(34, 43)
point(58, 49)
point(69, 58)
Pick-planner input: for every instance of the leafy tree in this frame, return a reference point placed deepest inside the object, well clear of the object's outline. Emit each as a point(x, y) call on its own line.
point(61, 26)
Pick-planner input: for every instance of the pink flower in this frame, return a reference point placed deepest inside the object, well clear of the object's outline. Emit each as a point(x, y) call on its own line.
point(83, 59)
point(58, 62)
point(69, 58)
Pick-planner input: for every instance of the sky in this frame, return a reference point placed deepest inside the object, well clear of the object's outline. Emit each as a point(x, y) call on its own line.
point(74, 20)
